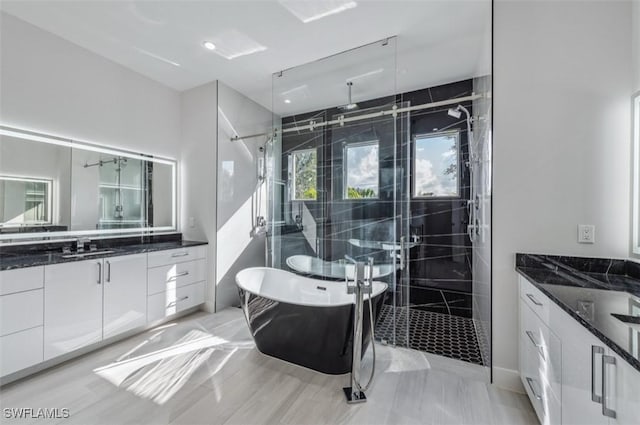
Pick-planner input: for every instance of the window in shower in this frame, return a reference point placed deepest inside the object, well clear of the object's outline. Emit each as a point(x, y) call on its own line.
point(304, 174)
point(27, 201)
point(362, 170)
point(436, 160)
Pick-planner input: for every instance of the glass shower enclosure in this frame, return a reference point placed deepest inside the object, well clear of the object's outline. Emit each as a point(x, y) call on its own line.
point(359, 168)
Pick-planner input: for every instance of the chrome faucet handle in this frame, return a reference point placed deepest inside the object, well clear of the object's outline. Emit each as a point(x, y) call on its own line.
point(80, 243)
point(358, 275)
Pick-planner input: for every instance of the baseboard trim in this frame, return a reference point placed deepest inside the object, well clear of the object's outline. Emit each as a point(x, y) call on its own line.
point(508, 379)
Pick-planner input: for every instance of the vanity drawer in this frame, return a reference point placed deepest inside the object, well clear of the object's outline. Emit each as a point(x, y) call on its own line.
point(541, 349)
point(535, 299)
point(20, 350)
point(167, 278)
point(544, 402)
point(20, 311)
point(174, 256)
point(168, 303)
point(21, 280)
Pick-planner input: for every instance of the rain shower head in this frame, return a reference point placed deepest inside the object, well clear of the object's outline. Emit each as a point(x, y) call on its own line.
point(351, 105)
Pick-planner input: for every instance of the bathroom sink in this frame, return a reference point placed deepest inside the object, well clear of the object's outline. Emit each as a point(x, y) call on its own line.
point(88, 253)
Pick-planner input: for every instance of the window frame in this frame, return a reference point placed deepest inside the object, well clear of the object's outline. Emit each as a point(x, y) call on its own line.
point(292, 155)
point(457, 133)
point(345, 170)
point(49, 200)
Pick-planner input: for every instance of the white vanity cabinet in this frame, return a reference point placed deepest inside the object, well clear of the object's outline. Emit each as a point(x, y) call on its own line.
point(583, 381)
point(21, 318)
point(125, 294)
point(53, 310)
point(176, 281)
point(88, 301)
point(72, 306)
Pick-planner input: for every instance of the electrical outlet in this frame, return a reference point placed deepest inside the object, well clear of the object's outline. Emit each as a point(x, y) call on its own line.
point(192, 222)
point(586, 233)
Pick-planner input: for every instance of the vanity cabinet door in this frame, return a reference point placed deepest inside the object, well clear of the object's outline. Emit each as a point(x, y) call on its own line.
point(125, 294)
point(72, 306)
point(623, 391)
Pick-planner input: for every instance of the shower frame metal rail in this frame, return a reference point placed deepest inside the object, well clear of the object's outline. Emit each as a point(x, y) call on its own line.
point(341, 120)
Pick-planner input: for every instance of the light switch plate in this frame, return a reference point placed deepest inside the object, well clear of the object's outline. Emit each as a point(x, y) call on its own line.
point(586, 233)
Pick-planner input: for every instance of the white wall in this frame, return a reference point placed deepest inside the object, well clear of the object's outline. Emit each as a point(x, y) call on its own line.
point(54, 86)
point(241, 199)
point(563, 81)
point(198, 177)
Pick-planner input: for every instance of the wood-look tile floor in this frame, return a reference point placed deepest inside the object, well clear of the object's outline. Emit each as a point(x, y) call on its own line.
point(204, 369)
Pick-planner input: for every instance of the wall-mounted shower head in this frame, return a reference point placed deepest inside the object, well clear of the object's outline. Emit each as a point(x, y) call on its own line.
point(350, 106)
point(455, 112)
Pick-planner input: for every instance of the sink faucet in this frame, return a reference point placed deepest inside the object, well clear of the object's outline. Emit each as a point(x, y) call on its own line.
point(80, 243)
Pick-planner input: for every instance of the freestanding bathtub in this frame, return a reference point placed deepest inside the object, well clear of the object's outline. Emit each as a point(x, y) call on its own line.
point(304, 321)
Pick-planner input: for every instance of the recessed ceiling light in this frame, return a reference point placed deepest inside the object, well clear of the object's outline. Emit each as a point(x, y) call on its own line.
point(209, 45)
point(308, 11)
point(287, 101)
point(233, 44)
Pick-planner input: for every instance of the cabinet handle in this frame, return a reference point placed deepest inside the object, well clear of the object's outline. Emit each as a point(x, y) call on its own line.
point(533, 300)
point(177, 275)
point(535, 394)
point(99, 264)
point(540, 347)
point(172, 303)
point(179, 254)
point(606, 360)
point(108, 272)
point(595, 350)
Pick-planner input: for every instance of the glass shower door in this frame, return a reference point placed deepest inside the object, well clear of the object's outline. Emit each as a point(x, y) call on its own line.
point(368, 215)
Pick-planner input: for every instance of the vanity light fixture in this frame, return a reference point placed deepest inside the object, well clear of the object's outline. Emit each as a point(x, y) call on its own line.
point(209, 45)
point(287, 101)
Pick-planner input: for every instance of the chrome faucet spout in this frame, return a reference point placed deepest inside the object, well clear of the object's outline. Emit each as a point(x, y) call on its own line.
point(80, 243)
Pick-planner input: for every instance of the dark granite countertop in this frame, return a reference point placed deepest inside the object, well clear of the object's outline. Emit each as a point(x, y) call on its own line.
point(601, 294)
point(18, 259)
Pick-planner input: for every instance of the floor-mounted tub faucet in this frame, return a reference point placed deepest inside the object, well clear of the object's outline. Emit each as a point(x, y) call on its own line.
point(362, 284)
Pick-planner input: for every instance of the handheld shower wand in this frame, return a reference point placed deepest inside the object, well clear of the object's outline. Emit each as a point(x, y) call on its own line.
point(472, 203)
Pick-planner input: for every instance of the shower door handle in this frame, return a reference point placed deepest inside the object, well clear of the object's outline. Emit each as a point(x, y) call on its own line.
point(402, 253)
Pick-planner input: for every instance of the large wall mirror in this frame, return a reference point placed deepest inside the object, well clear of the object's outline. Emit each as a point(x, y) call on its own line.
point(52, 187)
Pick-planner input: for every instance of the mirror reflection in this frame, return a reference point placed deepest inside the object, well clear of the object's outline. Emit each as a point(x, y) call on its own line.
point(35, 186)
point(47, 186)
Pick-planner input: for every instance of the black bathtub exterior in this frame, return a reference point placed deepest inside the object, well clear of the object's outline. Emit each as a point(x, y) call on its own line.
point(319, 338)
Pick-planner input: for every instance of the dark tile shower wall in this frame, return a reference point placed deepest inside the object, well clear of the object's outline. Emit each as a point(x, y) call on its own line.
point(440, 266)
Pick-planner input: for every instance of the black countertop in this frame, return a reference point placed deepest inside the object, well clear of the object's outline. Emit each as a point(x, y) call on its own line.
point(20, 258)
point(601, 294)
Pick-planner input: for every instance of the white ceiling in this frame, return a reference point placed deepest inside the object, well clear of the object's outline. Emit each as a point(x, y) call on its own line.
point(438, 41)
